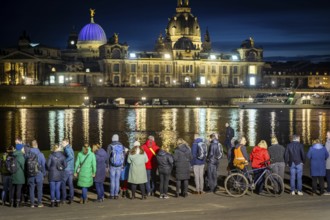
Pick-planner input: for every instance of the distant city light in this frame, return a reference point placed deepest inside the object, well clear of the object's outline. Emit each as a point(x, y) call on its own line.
point(86, 98)
point(34, 44)
point(234, 57)
point(198, 98)
point(213, 57)
point(72, 42)
point(143, 98)
point(23, 97)
point(88, 70)
point(167, 56)
point(132, 55)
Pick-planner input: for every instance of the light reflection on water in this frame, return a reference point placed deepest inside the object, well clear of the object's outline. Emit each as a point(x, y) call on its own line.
point(167, 125)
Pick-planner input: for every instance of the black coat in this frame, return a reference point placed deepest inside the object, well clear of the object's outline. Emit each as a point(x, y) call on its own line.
point(182, 158)
point(165, 162)
point(55, 160)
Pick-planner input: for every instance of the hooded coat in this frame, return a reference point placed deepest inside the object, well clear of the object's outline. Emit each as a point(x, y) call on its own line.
point(165, 162)
point(318, 156)
point(182, 159)
point(19, 177)
point(152, 161)
point(87, 169)
point(258, 156)
point(55, 158)
point(137, 173)
point(102, 159)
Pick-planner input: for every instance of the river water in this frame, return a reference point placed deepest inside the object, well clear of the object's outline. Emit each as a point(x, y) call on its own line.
point(98, 125)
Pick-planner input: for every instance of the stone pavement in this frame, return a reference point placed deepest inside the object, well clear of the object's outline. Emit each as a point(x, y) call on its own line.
point(207, 206)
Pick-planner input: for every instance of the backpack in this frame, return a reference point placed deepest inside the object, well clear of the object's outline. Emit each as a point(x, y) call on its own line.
point(239, 160)
point(3, 168)
point(201, 150)
point(117, 155)
point(220, 151)
point(32, 165)
point(11, 164)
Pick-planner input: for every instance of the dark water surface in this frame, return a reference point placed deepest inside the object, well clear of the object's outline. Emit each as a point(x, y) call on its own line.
point(98, 125)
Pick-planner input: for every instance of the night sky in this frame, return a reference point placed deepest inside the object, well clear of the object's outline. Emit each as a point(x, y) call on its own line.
point(282, 27)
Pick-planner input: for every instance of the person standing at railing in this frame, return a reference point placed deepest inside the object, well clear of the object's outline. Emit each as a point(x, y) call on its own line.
point(327, 146)
point(295, 159)
point(258, 157)
point(276, 153)
point(317, 154)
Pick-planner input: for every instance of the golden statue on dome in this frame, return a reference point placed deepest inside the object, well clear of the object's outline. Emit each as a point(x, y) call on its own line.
point(92, 12)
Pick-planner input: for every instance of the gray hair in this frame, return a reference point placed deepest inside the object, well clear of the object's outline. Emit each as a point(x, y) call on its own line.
point(295, 137)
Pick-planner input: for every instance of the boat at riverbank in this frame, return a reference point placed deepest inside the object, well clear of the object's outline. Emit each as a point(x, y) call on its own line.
point(289, 100)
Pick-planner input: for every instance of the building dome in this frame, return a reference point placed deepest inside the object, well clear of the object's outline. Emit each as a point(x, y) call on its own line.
point(184, 43)
point(92, 32)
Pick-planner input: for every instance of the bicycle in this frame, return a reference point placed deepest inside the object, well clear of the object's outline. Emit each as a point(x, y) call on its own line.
point(237, 184)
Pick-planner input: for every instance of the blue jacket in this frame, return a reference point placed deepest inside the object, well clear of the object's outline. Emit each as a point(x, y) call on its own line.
point(69, 154)
point(194, 151)
point(55, 158)
point(214, 152)
point(41, 160)
point(102, 159)
point(294, 153)
point(318, 156)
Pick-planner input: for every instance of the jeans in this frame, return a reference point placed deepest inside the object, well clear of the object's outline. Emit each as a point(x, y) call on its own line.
point(55, 191)
point(328, 180)
point(18, 189)
point(84, 191)
point(296, 172)
point(33, 181)
point(199, 177)
point(278, 168)
point(228, 147)
point(151, 184)
point(7, 184)
point(164, 179)
point(321, 183)
point(99, 190)
point(183, 187)
point(67, 179)
point(114, 180)
point(212, 175)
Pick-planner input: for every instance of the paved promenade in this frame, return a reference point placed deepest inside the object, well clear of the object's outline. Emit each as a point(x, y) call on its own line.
point(201, 207)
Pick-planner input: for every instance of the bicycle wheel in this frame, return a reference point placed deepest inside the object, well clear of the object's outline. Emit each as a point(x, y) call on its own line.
point(236, 184)
point(274, 184)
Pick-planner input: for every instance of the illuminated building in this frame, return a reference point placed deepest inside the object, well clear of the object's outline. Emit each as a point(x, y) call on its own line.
point(181, 58)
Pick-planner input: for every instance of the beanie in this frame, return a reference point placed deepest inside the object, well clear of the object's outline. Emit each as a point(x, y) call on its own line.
point(115, 137)
point(19, 147)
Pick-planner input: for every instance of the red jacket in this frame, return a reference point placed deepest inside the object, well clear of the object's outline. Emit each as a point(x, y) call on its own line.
point(258, 156)
point(152, 160)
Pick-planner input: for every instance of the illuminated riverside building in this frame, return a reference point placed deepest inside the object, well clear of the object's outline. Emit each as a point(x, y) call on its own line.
point(181, 58)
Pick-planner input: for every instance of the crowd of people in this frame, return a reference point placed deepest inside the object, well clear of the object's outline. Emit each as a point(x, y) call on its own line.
point(149, 167)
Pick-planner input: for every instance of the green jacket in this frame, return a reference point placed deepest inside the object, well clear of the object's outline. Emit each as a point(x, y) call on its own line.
point(137, 171)
point(85, 178)
point(18, 177)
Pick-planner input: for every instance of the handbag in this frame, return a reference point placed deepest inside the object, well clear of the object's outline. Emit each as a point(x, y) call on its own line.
point(80, 165)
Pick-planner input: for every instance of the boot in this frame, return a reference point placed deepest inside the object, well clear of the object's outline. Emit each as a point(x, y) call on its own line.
point(52, 204)
point(58, 203)
point(127, 194)
point(11, 203)
point(18, 204)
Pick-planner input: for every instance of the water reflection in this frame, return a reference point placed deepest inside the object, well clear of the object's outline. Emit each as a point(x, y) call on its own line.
point(97, 126)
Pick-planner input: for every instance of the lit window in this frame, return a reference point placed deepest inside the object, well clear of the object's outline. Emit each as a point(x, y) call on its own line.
point(52, 79)
point(252, 69)
point(203, 80)
point(234, 57)
point(252, 81)
point(61, 79)
point(167, 56)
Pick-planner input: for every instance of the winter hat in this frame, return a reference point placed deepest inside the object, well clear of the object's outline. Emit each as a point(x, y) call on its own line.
point(19, 147)
point(115, 137)
point(137, 144)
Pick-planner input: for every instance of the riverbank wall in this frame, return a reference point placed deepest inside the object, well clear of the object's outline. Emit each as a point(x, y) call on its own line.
point(66, 95)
